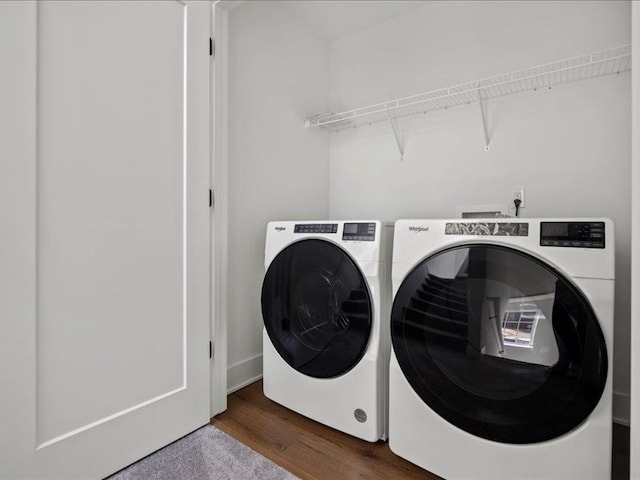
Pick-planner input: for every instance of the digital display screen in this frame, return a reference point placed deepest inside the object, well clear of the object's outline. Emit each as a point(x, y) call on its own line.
point(555, 229)
point(351, 228)
point(572, 234)
point(359, 232)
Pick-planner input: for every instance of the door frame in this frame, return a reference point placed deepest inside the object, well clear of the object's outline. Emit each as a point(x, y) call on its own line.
point(219, 216)
point(635, 240)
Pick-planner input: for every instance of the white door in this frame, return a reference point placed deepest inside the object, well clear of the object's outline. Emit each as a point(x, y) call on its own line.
point(104, 232)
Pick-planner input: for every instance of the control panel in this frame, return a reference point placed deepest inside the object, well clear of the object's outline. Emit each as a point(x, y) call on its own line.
point(359, 231)
point(572, 234)
point(316, 228)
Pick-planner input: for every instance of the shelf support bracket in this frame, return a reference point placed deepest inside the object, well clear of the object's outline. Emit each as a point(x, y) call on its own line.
point(484, 121)
point(396, 134)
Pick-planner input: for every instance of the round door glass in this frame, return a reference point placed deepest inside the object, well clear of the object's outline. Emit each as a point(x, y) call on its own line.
point(499, 344)
point(316, 308)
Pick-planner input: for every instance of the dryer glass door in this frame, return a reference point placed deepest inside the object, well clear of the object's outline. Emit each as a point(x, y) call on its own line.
point(316, 308)
point(499, 344)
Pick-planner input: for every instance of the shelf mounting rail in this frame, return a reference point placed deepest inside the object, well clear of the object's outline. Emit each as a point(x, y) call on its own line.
point(484, 121)
point(605, 62)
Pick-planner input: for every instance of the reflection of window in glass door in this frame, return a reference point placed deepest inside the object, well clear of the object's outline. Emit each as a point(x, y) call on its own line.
point(519, 326)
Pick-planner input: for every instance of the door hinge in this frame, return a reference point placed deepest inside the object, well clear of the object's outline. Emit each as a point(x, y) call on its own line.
point(210, 349)
point(211, 47)
point(210, 198)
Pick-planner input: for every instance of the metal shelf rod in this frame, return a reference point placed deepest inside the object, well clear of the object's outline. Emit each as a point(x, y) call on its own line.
point(605, 62)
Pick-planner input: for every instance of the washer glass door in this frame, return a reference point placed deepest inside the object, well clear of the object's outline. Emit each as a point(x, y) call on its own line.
point(316, 308)
point(499, 344)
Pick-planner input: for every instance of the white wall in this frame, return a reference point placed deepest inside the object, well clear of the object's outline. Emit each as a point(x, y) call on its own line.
point(278, 169)
point(569, 146)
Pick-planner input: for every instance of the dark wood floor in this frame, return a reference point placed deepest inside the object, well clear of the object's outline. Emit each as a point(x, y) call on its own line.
point(304, 447)
point(313, 451)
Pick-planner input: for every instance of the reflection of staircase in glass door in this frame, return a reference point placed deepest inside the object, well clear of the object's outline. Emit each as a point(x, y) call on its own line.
point(439, 308)
point(354, 309)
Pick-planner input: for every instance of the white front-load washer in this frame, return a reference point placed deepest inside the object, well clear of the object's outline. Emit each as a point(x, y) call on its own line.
point(325, 306)
point(502, 336)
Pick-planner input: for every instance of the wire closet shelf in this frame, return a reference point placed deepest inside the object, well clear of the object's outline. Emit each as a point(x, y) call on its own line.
point(606, 62)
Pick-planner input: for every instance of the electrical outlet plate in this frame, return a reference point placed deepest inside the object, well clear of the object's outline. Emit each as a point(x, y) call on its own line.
point(519, 194)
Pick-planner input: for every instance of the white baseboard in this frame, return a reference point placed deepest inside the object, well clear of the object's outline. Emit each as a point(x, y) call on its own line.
point(621, 408)
point(243, 373)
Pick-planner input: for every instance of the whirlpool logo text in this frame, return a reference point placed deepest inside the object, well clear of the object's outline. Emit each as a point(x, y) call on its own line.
point(280, 229)
point(418, 229)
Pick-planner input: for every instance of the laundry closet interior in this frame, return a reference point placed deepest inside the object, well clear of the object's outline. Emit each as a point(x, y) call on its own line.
point(564, 138)
point(160, 157)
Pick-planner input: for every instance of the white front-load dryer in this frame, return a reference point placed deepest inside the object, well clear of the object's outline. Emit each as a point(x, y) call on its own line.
point(502, 335)
point(325, 306)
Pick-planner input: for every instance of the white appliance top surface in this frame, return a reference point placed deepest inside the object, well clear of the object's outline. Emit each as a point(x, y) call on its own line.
point(365, 240)
point(415, 240)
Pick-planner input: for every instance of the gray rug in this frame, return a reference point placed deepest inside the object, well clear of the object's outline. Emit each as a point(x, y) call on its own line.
point(206, 454)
